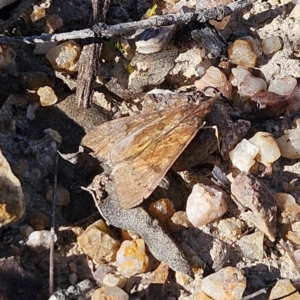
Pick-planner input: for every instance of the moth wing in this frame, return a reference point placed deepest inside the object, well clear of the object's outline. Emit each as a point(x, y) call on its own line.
point(136, 178)
point(103, 138)
point(153, 128)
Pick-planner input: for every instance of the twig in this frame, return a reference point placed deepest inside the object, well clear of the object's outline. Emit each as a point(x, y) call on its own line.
point(254, 295)
point(104, 30)
point(52, 230)
point(89, 58)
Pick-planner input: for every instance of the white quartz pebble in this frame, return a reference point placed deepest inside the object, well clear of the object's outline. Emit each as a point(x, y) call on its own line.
point(205, 204)
point(243, 155)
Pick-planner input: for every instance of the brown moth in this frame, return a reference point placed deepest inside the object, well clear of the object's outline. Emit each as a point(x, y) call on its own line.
point(140, 149)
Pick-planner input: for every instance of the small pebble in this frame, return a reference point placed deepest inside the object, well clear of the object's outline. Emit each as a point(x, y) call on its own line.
point(246, 83)
point(54, 22)
point(271, 44)
point(42, 238)
point(53, 135)
point(243, 155)
point(101, 272)
point(238, 76)
point(64, 57)
point(283, 289)
point(73, 267)
point(114, 280)
point(179, 220)
point(7, 56)
point(39, 221)
point(25, 230)
point(289, 144)
point(269, 104)
point(251, 85)
point(242, 54)
point(268, 149)
point(162, 209)
point(230, 228)
point(73, 278)
point(205, 204)
point(31, 108)
point(37, 13)
point(109, 293)
point(47, 96)
point(132, 258)
point(227, 284)
point(98, 242)
point(251, 246)
point(62, 195)
point(214, 77)
point(283, 86)
point(289, 210)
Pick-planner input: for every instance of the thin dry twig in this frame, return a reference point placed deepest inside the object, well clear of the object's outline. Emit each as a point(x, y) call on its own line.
point(52, 230)
point(89, 58)
point(104, 30)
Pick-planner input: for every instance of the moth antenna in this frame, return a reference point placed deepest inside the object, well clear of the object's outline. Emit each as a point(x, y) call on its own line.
point(215, 128)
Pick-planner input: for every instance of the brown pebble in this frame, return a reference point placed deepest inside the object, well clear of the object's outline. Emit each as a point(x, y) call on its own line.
point(268, 104)
point(39, 221)
point(62, 196)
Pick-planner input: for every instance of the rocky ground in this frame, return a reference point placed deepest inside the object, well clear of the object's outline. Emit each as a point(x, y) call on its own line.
point(250, 237)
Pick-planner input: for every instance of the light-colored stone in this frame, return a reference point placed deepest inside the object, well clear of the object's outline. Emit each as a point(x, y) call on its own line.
point(132, 258)
point(64, 57)
point(289, 144)
point(243, 155)
point(246, 83)
point(37, 13)
point(227, 284)
point(251, 245)
point(40, 239)
point(283, 86)
point(98, 242)
point(288, 208)
point(269, 151)
point(114, 280)
point(283, 288)
point(12, 205)
point(214, 77)
point(188, 62)
point(205, 204)
point(109, 293)
point(271, 44)
point(242, 54)
point(47, 96)
point(178, 221)
point(230, 228)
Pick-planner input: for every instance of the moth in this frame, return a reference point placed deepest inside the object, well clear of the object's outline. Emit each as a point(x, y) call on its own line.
point(140, 149)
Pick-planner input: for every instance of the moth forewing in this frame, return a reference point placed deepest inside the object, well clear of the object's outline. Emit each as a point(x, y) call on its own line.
point(103, 138)
point(136, 178)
